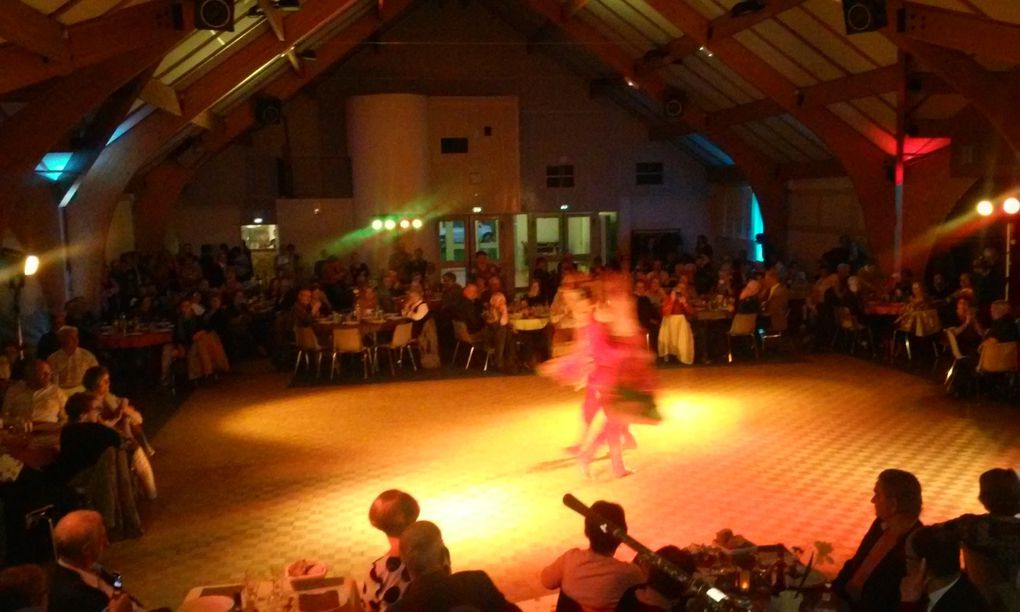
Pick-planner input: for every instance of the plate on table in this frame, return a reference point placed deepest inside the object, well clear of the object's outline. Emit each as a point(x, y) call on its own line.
point(208, 603)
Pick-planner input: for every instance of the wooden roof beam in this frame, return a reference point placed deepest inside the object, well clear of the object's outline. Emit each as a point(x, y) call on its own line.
point(162, 96)
point(29, 29)
point(864, 161)
point(760, 170)
point(573, 7)
point(965, 32)
point(94, 41)
point(719, 28)
point(274, 18)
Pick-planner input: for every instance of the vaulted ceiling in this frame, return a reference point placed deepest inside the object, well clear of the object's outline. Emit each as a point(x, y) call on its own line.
point(783, 84)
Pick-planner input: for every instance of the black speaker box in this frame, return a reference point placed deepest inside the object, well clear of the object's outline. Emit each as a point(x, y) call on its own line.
point(215, 15)
point(673, 105)
point(864, 15)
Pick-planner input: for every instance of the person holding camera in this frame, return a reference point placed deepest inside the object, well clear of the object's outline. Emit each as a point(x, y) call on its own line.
point(76, 581)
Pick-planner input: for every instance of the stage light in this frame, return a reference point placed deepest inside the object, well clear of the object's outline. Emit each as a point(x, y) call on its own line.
point(257, 220)
point(31, 265)
point(416, 224)
point(476, 209)
point(405, 224)
point(985, 208)
point(1011, 206)
point(377, 224)
point(705, 51)
point(564, 206)
point(631, 83)
point(390, 224)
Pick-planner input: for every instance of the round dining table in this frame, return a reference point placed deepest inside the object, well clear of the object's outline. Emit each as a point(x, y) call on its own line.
point(111, 339)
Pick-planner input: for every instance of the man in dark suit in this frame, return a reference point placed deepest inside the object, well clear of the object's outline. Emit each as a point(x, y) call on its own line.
point(934, 582)
point(433, 587)
point(80, 539)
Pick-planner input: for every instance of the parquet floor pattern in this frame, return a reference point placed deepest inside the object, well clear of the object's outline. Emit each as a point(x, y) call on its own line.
point(253, 474)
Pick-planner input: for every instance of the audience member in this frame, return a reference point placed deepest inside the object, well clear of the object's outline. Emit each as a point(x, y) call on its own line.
point(870, 580)
point(116, 412)
point(392, 512)
point(592, 577)
point(74, 585)
point(662, 592)
point(71, 361)
point(434, 586)
point(933, 580)
point(36, 399)
point(83, 440)
point(23, 589)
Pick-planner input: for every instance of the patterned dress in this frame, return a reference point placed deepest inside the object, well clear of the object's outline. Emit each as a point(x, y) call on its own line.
point(387, 580)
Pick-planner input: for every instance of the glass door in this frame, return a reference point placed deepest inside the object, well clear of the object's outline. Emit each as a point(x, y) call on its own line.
point(453, 247)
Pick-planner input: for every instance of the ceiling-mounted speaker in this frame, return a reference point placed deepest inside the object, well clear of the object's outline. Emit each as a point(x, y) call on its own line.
point(864, 15)
point(268, 110)
point(215, 15)
point(673, 105)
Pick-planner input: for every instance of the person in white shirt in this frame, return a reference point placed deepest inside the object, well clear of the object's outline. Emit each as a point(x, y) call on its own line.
point(36, 399)
point(71, 362)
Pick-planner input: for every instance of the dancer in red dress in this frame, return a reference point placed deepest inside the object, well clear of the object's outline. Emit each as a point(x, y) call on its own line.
point(617, 370)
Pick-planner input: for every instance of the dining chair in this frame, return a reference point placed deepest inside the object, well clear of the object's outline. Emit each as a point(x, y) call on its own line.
point(954, 352)
point(998, 358)
point(307, 346)
point(461, 334)
point(743, 326)
point(400, 342)
point(776, 329)
point(850, 327)
point(348, 341)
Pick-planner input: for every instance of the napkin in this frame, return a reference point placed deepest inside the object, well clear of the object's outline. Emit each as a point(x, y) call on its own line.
point(318, 602)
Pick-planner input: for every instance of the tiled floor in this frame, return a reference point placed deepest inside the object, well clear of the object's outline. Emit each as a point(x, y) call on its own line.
point(253, 474)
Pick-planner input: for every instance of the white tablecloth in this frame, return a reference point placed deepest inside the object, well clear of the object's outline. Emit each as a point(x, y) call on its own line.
point(676, 338)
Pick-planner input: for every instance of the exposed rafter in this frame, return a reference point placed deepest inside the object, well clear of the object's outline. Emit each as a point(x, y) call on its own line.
point(760, 171)
point(29, 29)
point(864, 161)
point(993, 94)
point(573, 7)
point(94, 41)
point(965, 32)
point(161, 96)
point(719, 28)
point(162, 184)
point(274, 18)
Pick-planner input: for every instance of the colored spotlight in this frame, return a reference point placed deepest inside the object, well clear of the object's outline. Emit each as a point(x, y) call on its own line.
point(985, 208)
point(1011, 206)
point(416, 224)
point(377, 224)
point(390, 224)
point(405, 223)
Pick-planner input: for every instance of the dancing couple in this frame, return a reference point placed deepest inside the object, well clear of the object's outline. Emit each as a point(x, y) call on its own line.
point(608, 356)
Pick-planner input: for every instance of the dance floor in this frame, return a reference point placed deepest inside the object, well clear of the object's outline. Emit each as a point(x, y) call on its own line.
point(254, 474)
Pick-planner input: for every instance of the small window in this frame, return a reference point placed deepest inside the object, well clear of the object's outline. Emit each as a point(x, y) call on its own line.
point(561, 176)
point(649, 173)
point(453, 145)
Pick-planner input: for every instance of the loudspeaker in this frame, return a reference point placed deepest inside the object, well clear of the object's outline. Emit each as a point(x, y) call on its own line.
point(673, 105)
point(214, 15)
point(268, 110)
point(864, 15)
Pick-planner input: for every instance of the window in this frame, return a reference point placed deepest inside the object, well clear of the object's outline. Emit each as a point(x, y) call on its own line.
point(561, 176)
point(453, 145)
point(649, 173)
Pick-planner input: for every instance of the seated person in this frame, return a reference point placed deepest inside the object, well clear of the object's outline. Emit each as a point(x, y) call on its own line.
point(678, 300)
point(662, 593)
point(870, 580)
point(434, 587)
point(1003, 328)
point(649, 316)
point(391, 513)
point(416, 309)
point(995, 535)
point(368, 300)
point(202, 349)
point(49, 343)
point(749, 301)
point(501, 331)
point(933, 574)
point(12, 364)
point(535, 296)
point(23, 587)
point(71, 361)
point(775, 306)
point(469, 311)
point(592, 577)
point(83, 439)
point(969, 332)
point(115, 412)
point(36, 399)
point(80, 540)
point(304, 311)
point(451, 291)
